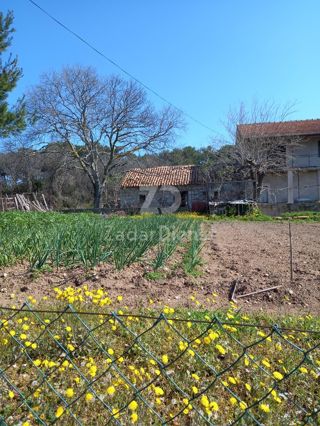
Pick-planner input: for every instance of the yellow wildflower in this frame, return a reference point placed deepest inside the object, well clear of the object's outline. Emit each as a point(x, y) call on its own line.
point(133, 405)
point(59, 412)
point(89, 396)
point(69, 392)
point(221, 349)
point(183, 345)
point(243, 405)
point(265, 408)
point(158, 391)
point(214, 406)
point(165, 359)
point(233, 400)
point(205, 401)
point(115, 413)
point(111, 390)
point(134, 417)
point(277, 375)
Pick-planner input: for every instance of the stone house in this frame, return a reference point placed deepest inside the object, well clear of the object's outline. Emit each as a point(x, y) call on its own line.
point(298, 181)
point(168, 188)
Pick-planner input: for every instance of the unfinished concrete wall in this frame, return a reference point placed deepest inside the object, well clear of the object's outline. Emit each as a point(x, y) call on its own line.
point(306, 154)
point(305, 187)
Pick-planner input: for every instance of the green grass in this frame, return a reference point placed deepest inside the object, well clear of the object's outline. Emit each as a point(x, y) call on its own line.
point(85, 239)
point(223, 360)
point(308, 216)
point(155, 276)
point(192, 257)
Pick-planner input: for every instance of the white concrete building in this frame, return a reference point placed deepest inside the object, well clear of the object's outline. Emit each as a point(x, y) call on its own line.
point(299, 179)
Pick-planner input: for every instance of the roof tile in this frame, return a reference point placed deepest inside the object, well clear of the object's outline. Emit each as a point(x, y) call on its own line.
point(284, 128)
point(163, 175)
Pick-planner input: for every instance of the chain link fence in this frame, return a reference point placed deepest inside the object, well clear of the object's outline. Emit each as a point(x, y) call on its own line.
point(69, 367)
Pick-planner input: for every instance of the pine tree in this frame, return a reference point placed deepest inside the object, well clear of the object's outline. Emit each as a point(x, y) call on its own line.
point(12, 120)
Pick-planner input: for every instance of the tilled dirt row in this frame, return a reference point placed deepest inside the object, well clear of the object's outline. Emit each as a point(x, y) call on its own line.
point(252, 255)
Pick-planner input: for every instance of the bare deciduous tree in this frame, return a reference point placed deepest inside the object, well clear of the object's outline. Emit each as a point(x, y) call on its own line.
point(257, 150)
point(102, 120)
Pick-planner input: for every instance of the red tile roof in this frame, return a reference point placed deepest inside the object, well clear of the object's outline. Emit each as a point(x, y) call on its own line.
point(284, 128)
point(163, 175)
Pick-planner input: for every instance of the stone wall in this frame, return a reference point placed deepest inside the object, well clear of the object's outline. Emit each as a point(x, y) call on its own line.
point(134, 197)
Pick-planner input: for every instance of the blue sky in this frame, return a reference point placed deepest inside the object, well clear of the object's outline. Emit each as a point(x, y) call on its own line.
point(203, 55)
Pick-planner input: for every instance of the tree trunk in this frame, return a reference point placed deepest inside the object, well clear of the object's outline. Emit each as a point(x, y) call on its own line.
point(257, 180)
point(254, 185)
point(97, 196)
point(260, 177)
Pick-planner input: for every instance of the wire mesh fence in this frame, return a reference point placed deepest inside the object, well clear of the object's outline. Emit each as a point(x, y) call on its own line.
point(69, 367)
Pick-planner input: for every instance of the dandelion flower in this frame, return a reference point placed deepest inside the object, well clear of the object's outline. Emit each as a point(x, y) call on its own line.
point(183, 345)
point(158, 391)
point(115, 413)
point(265, 408)
point(111, 390)
point(221, 349)
point(278, 375)
point(165, 359)
point(214, 406)
point(89, 396)
point(233, 400)
point(205, 401)
point(11, 394)
point(133, 405)
point(69, 392)
point(266, 363)
point(213, 335)
point(134, 417)
point(243, 405)
point(59, 412)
